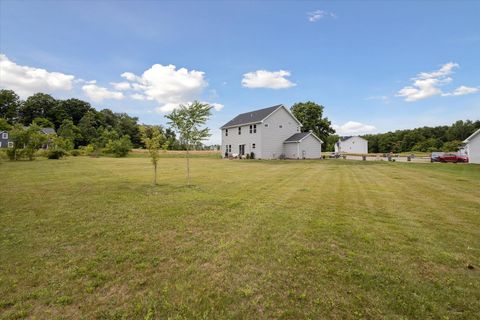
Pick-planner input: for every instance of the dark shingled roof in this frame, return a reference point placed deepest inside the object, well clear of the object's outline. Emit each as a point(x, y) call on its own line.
point(251, 117)
point(297, 137)
point(345, 138)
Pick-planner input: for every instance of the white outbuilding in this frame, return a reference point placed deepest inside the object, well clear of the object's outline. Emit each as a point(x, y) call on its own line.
point(472, 147)
point(351, 144)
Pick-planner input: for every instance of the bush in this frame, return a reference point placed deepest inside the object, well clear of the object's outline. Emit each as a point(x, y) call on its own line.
point(56, 154)
point(120, 147)
point(75, 153)
point(252, 155)
point(248, 156)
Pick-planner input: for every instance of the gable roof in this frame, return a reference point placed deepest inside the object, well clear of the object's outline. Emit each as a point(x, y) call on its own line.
point(345, 138)
point(472, 136)
point(255, 116)
point(299, 136)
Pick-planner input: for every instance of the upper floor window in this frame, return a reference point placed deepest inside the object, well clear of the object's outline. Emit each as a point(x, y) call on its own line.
point(5, 135)
point(266, 125)
point(253, 128)
point(280, 126)
point(226, 132)
point(298, 129)
point(239, 130)
point(253, 145)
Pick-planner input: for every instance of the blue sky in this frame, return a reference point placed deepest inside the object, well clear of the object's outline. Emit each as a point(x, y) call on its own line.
point(375, 66)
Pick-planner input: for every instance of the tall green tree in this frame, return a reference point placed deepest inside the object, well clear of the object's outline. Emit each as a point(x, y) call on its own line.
point(40, 105)
point(310, 114)
point(10, 104)
point(189, 121)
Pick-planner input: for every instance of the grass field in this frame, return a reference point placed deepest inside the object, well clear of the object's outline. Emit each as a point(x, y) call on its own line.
point(91, 238)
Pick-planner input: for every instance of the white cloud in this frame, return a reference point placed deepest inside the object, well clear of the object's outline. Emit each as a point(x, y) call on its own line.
point(99, 94)
point(352, 127)
point(121, 86)
point(267, 79)
point(319, 14)
point(462, 90)
point(427, 84)
point(217, 106)
point(167, 85)
point(26, 81)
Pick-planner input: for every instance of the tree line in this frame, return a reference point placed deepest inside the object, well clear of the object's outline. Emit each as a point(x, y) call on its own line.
point(77, 122)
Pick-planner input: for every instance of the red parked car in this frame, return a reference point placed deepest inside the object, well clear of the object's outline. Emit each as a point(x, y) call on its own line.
point(452, 157)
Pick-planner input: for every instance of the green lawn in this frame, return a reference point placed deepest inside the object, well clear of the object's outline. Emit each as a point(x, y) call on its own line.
point(91, 238)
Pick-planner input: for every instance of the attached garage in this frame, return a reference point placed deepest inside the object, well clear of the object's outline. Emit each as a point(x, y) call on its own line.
point(303, 145)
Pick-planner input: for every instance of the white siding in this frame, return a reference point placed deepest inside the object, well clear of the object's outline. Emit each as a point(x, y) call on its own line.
point(473, 149)
point(352, 145)
point(291, 150)
point(246, 138)
point(310, 148)
point(273, 135)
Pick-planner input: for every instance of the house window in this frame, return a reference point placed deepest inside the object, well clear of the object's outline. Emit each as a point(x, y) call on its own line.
point(266, 125)
point(280, 126)
point(4, 135)
point(251, 128)
point(254, 128)
point(229, 148)
point(226, 132)
point(253, 145)
point(10, 144)
point(239, 130)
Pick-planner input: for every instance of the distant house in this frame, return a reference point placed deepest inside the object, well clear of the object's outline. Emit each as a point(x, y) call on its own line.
point(269, 133)
point(351, 144)
point(472, 147)
point(5, 140)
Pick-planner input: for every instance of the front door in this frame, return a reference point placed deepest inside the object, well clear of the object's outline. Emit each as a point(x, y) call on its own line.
point(241, 149)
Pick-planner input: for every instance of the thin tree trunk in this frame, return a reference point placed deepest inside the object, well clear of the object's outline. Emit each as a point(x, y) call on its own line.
point(155, 174)
point(188, 167)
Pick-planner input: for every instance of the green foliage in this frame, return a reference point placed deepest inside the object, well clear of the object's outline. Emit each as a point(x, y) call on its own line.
point(4, 125)
point(39, 105)
point(119, 147)
point(189, 121)
point(75, 153)
point(26, 141)
point(451, 146)
point(310, 114)
point(425, 139)
point(56, 153)
point(152, 137)
point(43, 122)
point(9, 105)
point(330, 142)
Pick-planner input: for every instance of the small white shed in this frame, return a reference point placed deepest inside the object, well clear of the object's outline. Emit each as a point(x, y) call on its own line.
point(303, 145)
point(472, 147)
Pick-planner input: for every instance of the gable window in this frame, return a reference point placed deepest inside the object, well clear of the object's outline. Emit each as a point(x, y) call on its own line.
point(4, 135)
point(280, 126)
point(253, 145)
point(226, 132)
point(239, 130)
point(266, 125)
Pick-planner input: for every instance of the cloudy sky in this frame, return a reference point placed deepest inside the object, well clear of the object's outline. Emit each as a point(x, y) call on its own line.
point(375, 66)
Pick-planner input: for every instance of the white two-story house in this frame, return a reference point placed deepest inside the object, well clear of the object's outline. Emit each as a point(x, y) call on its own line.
point(269, 133)
point(350, 144)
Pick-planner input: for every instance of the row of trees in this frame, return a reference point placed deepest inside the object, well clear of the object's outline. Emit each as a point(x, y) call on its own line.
point(425, 139)
point(76, 121)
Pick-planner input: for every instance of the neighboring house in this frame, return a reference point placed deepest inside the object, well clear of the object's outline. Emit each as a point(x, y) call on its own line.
point(353, 144)
point(5, 140)
point(269, 133)
point(472, 147)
